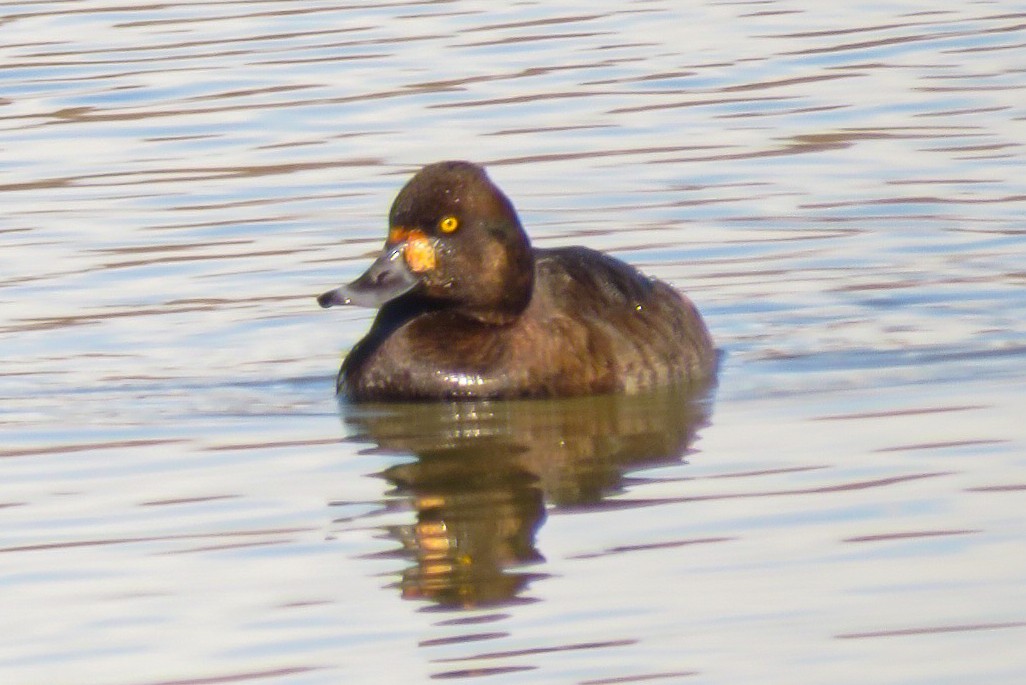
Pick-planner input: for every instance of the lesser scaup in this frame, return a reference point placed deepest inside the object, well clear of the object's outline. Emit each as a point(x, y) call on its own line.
point(468, 309)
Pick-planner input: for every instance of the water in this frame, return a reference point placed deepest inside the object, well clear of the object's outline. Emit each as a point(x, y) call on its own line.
point(839, 189)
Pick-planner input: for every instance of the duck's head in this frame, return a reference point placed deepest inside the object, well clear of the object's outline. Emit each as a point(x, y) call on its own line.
point(455, 239)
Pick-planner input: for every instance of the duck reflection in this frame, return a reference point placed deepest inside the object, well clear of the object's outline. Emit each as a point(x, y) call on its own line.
point(484, 471)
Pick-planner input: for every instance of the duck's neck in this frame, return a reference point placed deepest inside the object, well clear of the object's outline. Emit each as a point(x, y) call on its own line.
point(506, 294)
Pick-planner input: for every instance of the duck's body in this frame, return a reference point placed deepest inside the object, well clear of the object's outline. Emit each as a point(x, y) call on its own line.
point(491, 317)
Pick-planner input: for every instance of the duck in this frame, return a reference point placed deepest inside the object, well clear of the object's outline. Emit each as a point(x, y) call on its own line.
point(469, 310)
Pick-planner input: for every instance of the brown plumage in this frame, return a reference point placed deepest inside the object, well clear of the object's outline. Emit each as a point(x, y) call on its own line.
point(470, 310)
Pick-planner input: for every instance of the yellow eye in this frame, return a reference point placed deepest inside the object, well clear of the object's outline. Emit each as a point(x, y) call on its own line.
point(448, 224)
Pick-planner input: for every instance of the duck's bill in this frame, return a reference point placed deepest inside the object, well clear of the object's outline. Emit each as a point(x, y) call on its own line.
point(386, 279)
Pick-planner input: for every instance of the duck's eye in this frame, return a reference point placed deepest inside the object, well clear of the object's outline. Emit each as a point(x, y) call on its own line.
point(448, 224)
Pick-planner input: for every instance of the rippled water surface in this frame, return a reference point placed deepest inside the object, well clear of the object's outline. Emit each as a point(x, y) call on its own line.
point(841, 189)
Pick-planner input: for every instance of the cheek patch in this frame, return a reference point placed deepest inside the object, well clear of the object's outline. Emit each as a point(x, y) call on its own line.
point(419, 254)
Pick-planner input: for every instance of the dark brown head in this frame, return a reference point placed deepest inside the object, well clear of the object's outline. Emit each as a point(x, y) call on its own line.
point(455, 239)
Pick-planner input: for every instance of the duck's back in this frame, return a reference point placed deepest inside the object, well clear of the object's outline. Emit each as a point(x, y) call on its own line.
point(632, 332)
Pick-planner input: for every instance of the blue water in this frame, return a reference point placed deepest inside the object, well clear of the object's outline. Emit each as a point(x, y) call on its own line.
point(184, 501)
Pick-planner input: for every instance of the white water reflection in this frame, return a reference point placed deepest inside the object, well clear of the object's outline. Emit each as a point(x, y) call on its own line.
point(839, 189)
